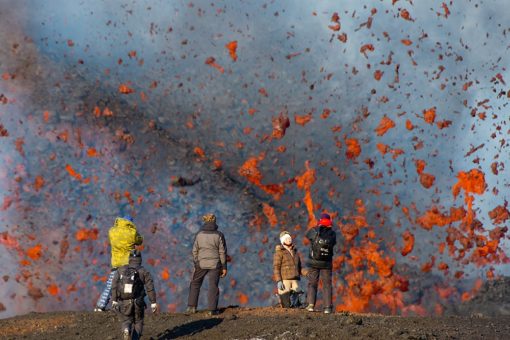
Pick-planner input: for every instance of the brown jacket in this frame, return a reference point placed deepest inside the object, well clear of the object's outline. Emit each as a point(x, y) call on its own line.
point(286, 264)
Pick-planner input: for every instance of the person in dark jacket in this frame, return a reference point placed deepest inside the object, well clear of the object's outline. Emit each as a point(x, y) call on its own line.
point(287, 270)
point(131, 310)
point(209, 258)
point(320, 262)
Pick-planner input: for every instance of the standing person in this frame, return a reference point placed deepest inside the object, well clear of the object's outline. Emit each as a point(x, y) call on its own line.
point(130, 285)
point(123, 238)
point(209, 258)
point(287, 270)
point(320, 260)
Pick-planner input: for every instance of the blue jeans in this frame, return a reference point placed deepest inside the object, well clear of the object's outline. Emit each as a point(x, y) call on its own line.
point(107, 292)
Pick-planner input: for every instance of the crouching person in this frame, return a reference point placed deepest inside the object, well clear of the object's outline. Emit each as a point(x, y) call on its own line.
point(130, 285)
point(287, 271)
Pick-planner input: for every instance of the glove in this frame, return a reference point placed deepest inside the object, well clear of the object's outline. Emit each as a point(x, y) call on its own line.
point(280, 285)
point(154, 307)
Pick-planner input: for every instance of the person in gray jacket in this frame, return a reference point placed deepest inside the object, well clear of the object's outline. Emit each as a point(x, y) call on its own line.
point(209, 258)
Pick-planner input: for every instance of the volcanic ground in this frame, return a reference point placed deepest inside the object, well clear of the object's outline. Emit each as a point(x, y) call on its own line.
point(391, 116)
point(257, 323)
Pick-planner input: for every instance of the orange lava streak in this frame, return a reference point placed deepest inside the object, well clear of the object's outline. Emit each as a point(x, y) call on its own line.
point(471, 182)
point(8, 241)
point(199, 152)
point(35, 252)
point(232, 48)
point(250, 171)
point(123, 88)
point(92, 152)
point(429, 115)
point(427, 180)
point(270, 214)
point(420, 166)
point(404, 14)
point(304, 119)
point(367, 47)
point(434, 217)
point(446, 10)
point(408, 243)
point(243, 299)
point(499, 215)
point(370, 279)
point(84, 234)
point(353, 148)
point(38, 183)
point(305, 182)
point(53, 289)
point(280, 125)
point(165, 274)
point(212, 62)
point(73, 173)
point(384, 125)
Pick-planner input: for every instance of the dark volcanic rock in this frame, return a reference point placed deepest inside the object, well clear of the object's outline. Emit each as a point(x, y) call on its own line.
point(259, 323)
point(492, 299)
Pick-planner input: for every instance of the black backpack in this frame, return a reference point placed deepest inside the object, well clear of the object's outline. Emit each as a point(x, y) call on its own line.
point(130, 285)
point(322, 247)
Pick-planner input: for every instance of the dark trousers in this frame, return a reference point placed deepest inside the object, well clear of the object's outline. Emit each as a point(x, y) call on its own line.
point(196, 282)
point(313, 282)
point(131, 314)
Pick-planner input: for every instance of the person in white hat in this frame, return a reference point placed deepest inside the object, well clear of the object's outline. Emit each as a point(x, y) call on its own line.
point(287, 270)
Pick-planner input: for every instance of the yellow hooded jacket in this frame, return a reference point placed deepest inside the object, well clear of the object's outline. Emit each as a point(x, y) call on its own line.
point(123, 237)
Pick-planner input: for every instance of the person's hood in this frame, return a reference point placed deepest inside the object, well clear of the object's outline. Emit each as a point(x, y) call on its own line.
point(135, 262)
point(209, 226)
point(123, 223)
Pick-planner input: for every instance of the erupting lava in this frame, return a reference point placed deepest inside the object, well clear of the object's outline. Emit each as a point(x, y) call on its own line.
point(386, 115)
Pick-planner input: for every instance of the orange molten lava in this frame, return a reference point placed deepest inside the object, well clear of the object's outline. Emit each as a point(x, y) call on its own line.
point(250, 171)
point(232, 48)
point(305, 182)
point(353, 148)
point(384, 125)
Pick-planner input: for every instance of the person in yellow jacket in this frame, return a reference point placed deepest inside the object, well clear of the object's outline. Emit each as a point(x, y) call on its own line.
point(123, 238)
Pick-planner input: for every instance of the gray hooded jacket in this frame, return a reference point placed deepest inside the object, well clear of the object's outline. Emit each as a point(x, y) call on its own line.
point(210, 248)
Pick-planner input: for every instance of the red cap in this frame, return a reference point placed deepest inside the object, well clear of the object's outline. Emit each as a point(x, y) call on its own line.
point(326, 222)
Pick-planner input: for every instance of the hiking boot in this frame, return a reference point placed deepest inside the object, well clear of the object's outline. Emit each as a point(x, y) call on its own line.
point(191, 310)
point(310, 308)
point(213, 312)
point(126, 335)
point(97, 309)
point(327, 310)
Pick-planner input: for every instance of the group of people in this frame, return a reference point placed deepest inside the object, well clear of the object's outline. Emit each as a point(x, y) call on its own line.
point(287, 269)
point(129, 282)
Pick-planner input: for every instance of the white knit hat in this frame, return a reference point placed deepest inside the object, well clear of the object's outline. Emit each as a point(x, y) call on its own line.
point(285, 236)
